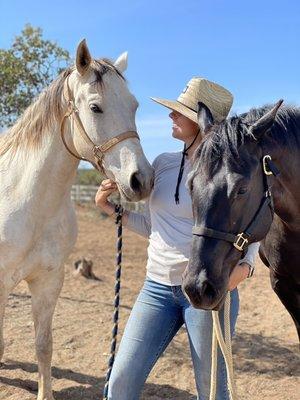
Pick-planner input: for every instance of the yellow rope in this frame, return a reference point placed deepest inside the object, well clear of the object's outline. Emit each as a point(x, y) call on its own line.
point(225, 345)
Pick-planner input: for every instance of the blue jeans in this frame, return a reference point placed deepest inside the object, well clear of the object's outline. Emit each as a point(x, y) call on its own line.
point(157, 315)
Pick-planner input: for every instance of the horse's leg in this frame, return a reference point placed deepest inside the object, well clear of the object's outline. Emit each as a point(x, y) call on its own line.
point(289, 294)
point(3, 300)
point(45, 290)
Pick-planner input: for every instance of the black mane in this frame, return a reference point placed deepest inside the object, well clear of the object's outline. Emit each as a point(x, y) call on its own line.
point(225, 139)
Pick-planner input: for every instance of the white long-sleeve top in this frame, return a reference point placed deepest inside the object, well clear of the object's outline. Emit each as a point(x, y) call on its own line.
point(169, 225)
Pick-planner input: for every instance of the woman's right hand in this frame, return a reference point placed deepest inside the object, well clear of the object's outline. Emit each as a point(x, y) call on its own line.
point(106, 188)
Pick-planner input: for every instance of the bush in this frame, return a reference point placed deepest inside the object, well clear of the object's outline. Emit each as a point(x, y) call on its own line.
point(88, 177)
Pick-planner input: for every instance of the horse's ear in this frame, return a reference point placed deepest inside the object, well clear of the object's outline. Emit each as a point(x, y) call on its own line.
point(83, 58)
point(121, 62)
point(205, 118)
point(261, 126)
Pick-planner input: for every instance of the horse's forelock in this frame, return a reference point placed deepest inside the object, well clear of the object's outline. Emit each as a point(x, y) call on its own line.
point(223, 144)
point(100, 67)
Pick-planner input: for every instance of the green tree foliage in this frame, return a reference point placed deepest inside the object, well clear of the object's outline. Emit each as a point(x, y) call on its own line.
point(88, 177)
point(25, 69)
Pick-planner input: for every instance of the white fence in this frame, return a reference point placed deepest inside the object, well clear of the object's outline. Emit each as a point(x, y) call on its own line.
point(83, 193)
point(86, 194)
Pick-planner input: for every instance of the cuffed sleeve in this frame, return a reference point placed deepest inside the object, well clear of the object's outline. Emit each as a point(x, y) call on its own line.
point(251, 254)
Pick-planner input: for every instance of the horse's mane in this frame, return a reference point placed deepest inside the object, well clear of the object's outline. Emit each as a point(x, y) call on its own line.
point(46, 110)
point(225, 139)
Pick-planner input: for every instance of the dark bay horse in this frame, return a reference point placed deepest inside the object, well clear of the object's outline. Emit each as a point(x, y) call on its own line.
point(245, 187)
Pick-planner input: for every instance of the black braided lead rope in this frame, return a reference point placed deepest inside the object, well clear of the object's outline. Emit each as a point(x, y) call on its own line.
point(119, 214)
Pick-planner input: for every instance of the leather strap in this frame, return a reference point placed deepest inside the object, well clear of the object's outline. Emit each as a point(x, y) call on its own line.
point(98, 151)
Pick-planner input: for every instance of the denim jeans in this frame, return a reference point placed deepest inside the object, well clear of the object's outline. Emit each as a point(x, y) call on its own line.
point(157, 315)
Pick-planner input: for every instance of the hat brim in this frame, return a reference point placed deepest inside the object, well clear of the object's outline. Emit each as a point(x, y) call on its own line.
point(176, 106)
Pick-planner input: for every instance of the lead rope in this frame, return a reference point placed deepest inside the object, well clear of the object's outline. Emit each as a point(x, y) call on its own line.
point(119, 213)
point(217, 335)
point(226, 348)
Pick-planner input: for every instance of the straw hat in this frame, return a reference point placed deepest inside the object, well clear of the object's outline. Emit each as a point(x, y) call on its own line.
point(215, 97)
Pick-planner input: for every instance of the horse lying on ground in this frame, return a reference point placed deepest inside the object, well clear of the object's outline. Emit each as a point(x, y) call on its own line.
point(90, 107)
point(245, 188)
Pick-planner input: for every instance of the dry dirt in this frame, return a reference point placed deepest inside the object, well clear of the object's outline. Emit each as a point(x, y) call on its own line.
point(266, 352)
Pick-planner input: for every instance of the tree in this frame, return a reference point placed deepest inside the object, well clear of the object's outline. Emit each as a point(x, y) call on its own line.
point(25, 69)
point(88, 177)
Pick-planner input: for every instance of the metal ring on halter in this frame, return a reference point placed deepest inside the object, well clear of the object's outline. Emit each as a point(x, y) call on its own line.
point(267, 171)
point(98, 150)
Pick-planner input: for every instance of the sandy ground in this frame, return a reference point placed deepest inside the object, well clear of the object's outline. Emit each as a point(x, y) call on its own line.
point(266, 355)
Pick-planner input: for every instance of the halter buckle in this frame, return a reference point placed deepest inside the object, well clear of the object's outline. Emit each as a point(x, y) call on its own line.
point(267, 171)
point(240, 241)
point(98, 153)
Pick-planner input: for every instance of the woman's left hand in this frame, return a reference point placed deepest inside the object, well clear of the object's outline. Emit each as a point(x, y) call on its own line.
point(238, 274)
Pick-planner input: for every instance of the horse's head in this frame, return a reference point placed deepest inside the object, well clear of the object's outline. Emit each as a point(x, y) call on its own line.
point(102, 126)
point(227, 186)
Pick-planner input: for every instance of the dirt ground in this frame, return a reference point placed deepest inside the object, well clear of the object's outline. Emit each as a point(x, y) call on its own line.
point(266, 352)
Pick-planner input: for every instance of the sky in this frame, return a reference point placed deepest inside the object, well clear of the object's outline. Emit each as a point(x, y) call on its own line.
point(250, 47)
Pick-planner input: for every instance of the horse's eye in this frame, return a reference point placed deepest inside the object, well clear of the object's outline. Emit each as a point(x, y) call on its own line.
point(242, 190)
point(95, 108)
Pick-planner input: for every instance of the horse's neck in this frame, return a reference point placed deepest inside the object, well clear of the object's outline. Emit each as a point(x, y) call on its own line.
point(285, 189)
point(44, 174)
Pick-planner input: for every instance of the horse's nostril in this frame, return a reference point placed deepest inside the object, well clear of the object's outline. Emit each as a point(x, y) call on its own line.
point(208, 290)
point(135, 184)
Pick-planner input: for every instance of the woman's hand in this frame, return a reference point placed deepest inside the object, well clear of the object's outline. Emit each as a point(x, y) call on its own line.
point(106, 188)
point(238, 274)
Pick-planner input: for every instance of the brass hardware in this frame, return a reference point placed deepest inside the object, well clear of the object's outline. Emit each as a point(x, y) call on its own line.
point(265, 165)
point(240, 242)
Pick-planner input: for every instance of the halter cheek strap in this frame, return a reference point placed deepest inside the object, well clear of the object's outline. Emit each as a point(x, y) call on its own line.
point(241, 240)
point(98, 151)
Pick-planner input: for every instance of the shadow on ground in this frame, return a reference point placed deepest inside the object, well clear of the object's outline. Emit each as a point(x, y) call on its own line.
point(265, 355)
point(90, 387)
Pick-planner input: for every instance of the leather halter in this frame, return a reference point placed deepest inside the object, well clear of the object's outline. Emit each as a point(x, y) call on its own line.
point(98, 151)
point(241, 240)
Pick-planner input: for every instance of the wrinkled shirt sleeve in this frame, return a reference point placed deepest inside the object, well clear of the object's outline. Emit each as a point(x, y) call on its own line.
point(140, 223)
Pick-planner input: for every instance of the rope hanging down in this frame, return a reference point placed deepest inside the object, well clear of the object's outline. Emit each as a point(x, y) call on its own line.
point(225, 345)
point(217, 335)
point(119, 214)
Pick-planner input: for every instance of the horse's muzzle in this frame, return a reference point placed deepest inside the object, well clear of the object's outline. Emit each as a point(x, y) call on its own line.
point(203, 294)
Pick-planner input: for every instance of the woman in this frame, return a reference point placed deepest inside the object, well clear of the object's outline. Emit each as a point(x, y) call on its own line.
point(161, 308)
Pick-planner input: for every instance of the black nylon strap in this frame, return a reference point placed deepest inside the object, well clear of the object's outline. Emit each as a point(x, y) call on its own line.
point(203, 231)
point(272, 167)
point(230, 237)
point(241, 240)
point(251, 228)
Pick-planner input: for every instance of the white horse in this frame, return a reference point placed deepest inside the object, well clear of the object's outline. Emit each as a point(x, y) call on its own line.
point(37, 221)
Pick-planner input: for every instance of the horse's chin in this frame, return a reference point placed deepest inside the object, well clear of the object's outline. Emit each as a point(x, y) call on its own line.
point(207, 304)
point(127, 194)
point(220, 304)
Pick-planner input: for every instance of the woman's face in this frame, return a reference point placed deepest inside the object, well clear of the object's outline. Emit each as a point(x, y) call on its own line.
point(183, 128)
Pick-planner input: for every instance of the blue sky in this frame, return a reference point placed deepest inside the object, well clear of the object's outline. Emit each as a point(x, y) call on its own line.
point(250, 47)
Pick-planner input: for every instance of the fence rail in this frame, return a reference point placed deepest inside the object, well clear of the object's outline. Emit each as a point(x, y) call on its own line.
point(86, 194)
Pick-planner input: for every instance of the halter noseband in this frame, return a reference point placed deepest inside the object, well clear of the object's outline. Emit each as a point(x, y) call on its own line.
point(98, 151)
point(241, 240)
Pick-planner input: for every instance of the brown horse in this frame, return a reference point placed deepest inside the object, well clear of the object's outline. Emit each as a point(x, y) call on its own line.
point(245, 188)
